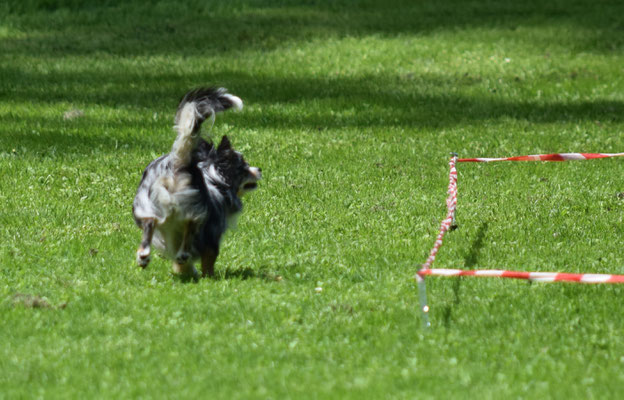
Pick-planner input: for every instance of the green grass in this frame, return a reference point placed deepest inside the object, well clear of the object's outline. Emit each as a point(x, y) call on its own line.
point(351, 111)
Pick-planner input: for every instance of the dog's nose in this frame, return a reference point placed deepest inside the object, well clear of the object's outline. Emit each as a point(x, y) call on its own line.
point(256, 172)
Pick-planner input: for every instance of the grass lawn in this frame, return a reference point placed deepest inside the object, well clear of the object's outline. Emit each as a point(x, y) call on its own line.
point(351, 110)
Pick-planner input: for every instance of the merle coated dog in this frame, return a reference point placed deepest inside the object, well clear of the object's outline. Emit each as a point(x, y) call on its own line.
point(187, 198)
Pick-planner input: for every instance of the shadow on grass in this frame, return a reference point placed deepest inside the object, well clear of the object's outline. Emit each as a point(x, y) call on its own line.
point(339, 102)
point(131, 28)
point(53, 29)
point(380, 99)
point(470, 260)
point(473, 255)
point(242, 273)
point(54, 136)
point(245, 273)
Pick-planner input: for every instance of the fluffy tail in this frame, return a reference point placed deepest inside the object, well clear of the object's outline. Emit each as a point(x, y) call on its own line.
point(194, 108)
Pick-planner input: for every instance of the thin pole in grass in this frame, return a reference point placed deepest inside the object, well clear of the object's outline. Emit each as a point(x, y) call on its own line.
point(447, 224)
point(424, 305)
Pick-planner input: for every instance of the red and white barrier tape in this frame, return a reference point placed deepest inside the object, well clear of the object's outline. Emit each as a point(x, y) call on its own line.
point(547, 157)
point(451, 204)
point(531, 276)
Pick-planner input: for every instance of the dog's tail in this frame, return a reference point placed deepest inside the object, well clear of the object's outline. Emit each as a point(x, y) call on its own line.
point(194, 108)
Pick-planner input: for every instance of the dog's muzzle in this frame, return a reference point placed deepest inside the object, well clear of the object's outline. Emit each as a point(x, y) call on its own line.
point(255, 174)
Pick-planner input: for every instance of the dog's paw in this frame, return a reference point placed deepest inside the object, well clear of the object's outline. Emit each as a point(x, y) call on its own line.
point(182, 257)
point(143, 257)
point(185, 272)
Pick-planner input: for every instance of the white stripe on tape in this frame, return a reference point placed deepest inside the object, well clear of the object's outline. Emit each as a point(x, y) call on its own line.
point(542, 276)
point(493, 272)
point(446, 272)
point(595, 278)
point(573, 156)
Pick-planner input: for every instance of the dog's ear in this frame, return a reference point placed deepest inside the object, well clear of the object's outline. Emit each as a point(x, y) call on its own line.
point(225, 144)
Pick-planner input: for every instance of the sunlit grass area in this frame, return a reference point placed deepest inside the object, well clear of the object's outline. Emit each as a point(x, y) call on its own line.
point(351, 110)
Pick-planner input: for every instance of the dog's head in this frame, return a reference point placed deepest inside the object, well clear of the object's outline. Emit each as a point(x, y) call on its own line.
point(238, 174)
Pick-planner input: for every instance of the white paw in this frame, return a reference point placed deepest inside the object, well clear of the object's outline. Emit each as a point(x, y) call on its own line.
point(143, 257)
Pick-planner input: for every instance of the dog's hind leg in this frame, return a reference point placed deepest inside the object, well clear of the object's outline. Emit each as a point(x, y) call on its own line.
point(208, 259)
point(144, 251)
point(184, 253)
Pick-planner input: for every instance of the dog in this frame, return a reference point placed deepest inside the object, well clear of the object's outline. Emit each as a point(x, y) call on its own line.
point(187, 198)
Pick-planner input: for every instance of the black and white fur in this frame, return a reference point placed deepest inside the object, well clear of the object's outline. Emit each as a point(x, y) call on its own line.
point(187, 197)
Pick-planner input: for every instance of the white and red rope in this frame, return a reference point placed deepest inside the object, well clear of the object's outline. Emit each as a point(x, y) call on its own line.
point(451, 204)
point(547, 157)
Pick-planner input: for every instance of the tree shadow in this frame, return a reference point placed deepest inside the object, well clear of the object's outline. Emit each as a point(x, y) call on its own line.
point(338, 102)
point(131, 28)
point(50, 136)
point(128, 29)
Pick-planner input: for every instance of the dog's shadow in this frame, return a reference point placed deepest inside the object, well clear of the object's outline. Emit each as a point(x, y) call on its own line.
point(263, 272)
point(241, 273)
point(232, 273)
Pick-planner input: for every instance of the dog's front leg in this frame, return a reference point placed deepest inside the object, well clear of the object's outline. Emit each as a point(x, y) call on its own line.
point(208, 259)
point(144, 251)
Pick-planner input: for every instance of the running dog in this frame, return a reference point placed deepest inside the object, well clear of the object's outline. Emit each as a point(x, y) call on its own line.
point(186, 199)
